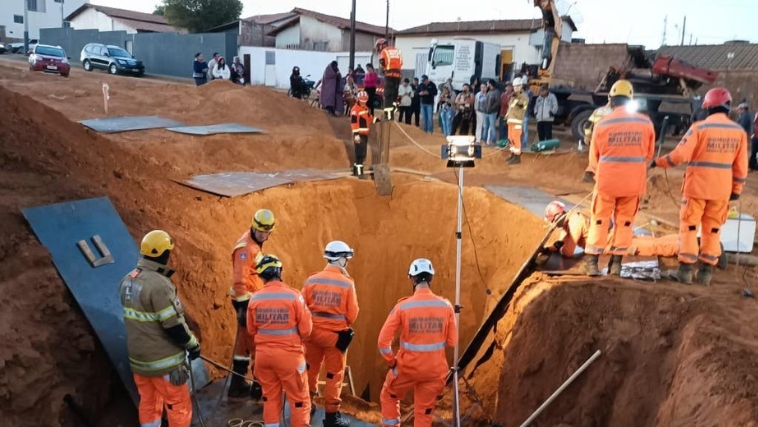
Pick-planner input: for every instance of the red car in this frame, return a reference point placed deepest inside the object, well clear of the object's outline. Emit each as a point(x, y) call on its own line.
point(49, 59)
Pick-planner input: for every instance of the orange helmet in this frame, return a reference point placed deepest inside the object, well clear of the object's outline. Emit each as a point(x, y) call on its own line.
point(362, 97)
point(718, 97)
point(381, 42)
point(553, 210)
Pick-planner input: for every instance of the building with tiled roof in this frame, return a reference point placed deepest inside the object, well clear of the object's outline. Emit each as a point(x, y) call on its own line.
point(94, 17)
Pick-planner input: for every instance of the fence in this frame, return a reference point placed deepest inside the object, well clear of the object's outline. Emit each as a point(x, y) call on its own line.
point(168, 54)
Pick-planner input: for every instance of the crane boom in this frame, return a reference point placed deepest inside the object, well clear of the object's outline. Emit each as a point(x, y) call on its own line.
point(552, 24)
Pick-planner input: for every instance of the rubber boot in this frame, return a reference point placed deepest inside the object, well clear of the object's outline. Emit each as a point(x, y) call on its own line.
point(614, 269)
point(590, 265)
point(684, 275)
point(704, 274)
point(256, 391)
point(239, 387)
point(508, 160)
point(515, 160)
point(334, 419)
point(588, 177)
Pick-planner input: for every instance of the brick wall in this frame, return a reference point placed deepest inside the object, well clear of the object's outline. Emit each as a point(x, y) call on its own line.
point(583, 66)
point(253, 34)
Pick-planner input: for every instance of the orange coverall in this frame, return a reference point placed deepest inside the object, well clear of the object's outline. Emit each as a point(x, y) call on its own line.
point(427, 324)
point(245, 257)
point(360, 121)
point(330, 296)
point(715, 149)
point(278, 322)
point(154, 392)
point(623, 143)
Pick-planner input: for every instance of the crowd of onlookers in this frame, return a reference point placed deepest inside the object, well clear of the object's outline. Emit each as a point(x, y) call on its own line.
point(217, 69)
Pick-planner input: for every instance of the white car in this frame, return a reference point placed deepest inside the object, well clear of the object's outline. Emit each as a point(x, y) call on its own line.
point(19, 47)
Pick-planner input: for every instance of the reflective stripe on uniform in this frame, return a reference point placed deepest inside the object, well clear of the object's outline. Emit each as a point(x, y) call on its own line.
point(141, 316)
point(712, 165)
point(328, 315)
point(623, 120)
point(423, 304)
point(739, 180)
point(687, 256)
point(156, 423)
point(622, 159)
point(709, 257)
point(515, 121)
point(389, 422)
point(423, 347)
point(387, 350)
point(334, 282)
point(277, 331)
point(271, 425)
point(261, 296)
point(241, 358)
point(161, 364)
point(719, 126)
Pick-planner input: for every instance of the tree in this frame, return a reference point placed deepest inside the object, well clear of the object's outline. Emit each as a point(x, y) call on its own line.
point(159, 10)
point(200, 15)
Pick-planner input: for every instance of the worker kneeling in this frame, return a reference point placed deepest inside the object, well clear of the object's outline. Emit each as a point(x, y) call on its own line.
point(278, 322)
point(623, 143)
point(330, 296)
point(426, 323)
point(716, 152)
point(157, 337)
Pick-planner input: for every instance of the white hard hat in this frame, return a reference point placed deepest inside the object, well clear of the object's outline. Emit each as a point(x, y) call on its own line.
point(421, 265)
point(337, 249)
point(518, 81)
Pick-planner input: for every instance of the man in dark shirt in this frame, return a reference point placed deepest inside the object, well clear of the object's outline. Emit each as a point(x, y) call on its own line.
point(200, 70)
point(427, 90)
point(416, 102)
point(745, 120)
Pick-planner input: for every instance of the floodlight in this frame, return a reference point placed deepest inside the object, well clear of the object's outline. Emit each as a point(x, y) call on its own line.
point(461, 151)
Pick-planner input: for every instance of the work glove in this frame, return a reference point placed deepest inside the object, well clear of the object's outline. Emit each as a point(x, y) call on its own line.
point(734, 196)
point(357, 139)
point(344, 338)
point(652, 164)
point(179, 375)
point(194, 351)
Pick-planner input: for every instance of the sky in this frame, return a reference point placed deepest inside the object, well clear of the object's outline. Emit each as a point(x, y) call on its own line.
point(599, 21)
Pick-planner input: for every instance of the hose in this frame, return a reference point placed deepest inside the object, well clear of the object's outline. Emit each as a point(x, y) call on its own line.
point(194, 396)
point(239, 422)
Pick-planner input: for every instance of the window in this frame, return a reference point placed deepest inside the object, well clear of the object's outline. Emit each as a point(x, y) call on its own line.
point(18, 19)
point(36, 5)
point(117, 52)
point(270, 57)
point(50, 51)
point(443, 55)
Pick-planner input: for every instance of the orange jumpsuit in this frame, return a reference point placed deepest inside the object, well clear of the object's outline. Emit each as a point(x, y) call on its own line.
point(245, 257)
point(716, 152)
point(278, 322)
point(360, 121)
point(623, 143)
point(391, 63)
point(427, 324)
point(330, 296)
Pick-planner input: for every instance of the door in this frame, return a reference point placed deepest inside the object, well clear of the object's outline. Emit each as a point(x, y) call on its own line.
point(421, 59)
point(269, 78)
point(246, 63)
point(506, 65)
point(99, 60)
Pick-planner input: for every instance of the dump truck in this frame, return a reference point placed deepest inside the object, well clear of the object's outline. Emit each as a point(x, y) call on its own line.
point(460, 58)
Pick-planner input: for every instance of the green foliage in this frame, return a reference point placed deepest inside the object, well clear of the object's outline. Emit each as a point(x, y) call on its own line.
point(201, 15)
point(159, 10)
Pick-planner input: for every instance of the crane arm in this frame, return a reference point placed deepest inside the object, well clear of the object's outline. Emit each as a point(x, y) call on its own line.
point(553, 26)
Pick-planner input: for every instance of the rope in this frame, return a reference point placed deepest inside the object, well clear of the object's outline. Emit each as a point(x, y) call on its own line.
point(668, 190)
point(239, 422)
point(436, 155)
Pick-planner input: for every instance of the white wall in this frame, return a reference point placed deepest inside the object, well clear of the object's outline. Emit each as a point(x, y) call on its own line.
point(91, 19)
point(51, 18)
point(288, 37)
point(310, 62)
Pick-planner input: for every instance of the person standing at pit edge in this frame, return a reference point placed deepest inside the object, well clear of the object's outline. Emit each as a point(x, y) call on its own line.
point(516, 116)
point(390, 63)
point(245, 256)
point(157, 337)
point(200, 70)
point(278, 321)
point(331, 299)
point(427, 324)
point(716, 152)
point(623, 143)
point(360, 122)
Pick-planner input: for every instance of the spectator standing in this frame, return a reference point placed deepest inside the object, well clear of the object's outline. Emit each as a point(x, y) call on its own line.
point(405, 93)
point(491, 110)
point(446, 113)
point(416, 102)
point(449, 85)
point(505, 99)
point(221, 71)
point(238, 71)
point(212, 65)
point(745, 119)
point(200, 70)
point(545, 109)
point(330, 89)
point(360, 73)
point(445, 98)
point(427, 91)
point(475, 89)
point(529, 110)
point(479, 106)
point(464, 110)
point(370, 83)
point(349, 93)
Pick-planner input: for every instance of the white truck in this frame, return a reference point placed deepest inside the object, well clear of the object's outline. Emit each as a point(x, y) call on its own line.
point(461, 58)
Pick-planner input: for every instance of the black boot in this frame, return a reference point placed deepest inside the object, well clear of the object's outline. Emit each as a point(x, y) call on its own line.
point(704, 274)
point(256, 391)
point(239, 387)
point(588, 177)
point(614, 269)
point(334, 419)
point(515, 160)
point(590, 265)
point(684, 275)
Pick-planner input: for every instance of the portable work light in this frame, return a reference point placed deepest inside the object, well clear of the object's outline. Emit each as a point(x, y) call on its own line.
point(461, 151)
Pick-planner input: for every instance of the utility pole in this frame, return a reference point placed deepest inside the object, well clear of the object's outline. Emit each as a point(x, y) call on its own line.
point(690, 39)
point(684, 26)
point(352, 38)
point(26, 26)
point(387, 23)
point(665, 22)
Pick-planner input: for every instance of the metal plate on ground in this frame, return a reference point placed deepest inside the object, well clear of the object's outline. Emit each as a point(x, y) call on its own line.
point(634, 267)
point(533, 199)
point(129, 123)
point(233, 184)
point(214, 129)
point(92, 251)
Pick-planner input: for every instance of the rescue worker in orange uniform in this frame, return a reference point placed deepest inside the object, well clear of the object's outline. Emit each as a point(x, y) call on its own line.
point(427, 324)
point(589, 126)
point(157, 337)
point(330, 296)
point(623, 143)
point(390, 64)
point(245, 256)
point(278, 321)
point(515, 118)
point(716, 152)
point(360, 122)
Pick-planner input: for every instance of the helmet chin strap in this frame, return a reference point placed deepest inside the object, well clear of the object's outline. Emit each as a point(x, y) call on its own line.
point(339, 262)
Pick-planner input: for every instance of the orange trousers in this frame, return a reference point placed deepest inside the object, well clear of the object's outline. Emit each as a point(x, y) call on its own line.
point(622, 210)
point(157, 392)
point(665, 246)
point(280, 370)
point(426, 392)
point(514, 136)
point(709, 215)
point(320, 348)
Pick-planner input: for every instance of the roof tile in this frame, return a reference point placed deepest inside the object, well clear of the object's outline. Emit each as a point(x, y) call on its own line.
point(716, 57)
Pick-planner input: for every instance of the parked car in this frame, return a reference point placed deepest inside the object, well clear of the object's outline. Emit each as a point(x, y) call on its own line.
point(19, 47)
point(3, 48)
point(49, 59)
point(111, 58)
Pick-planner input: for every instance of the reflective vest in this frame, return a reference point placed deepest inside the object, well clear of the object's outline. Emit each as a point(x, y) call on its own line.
point(245, 257)
point(391, 61)
point(330, 296)
point(360, 119)
point(277, 318)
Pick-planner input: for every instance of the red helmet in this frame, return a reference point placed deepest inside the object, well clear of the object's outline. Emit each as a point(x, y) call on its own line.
point(362, 96)
point(718, 97)
point(381, 42)
point(553, 210)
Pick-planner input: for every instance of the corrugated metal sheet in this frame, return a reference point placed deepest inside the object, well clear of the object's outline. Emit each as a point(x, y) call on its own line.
point(502, 26)
point(716, 57)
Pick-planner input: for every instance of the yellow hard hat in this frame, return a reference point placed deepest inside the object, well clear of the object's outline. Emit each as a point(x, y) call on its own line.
point(155, 243)
point(264, 221)
point(269, 266)
point(622, 88)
